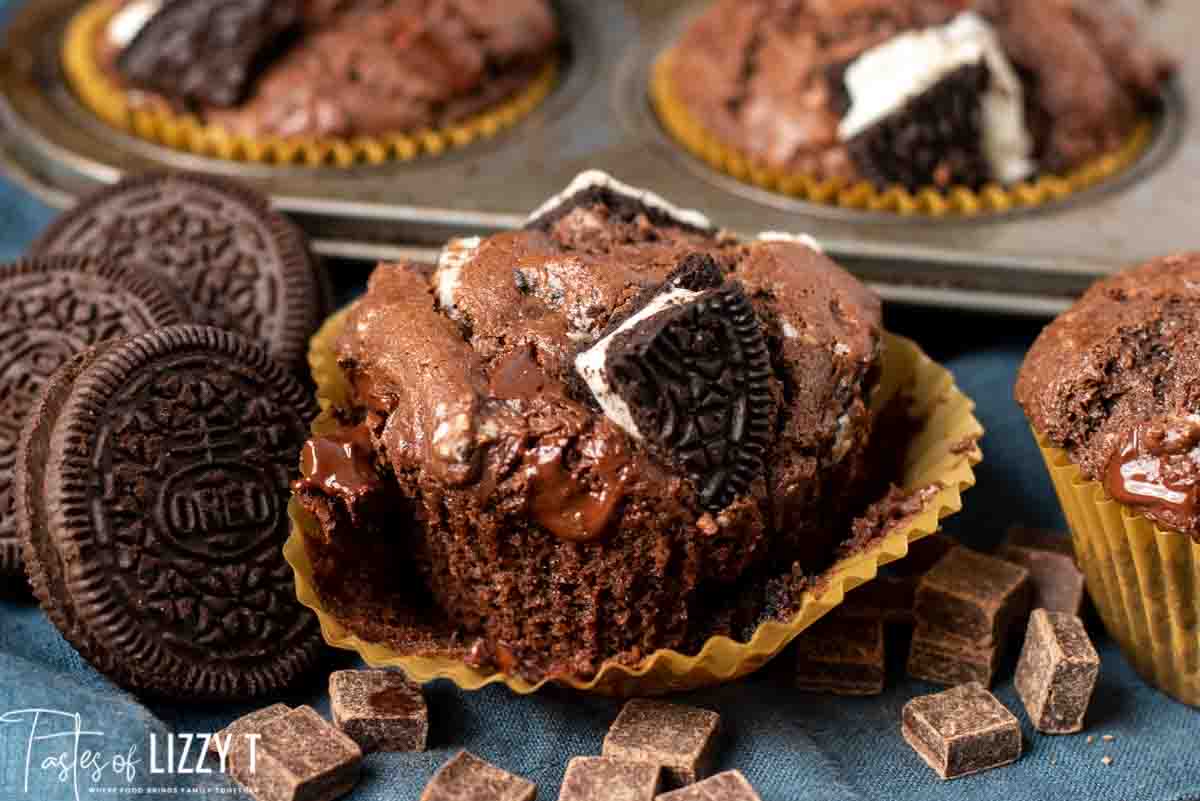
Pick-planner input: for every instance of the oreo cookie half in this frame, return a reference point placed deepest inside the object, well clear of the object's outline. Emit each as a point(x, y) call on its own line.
point(206, 51)
point(152, 491)
point(50, 310)
point(623, 200)
point(236, 263)
point(690, 373)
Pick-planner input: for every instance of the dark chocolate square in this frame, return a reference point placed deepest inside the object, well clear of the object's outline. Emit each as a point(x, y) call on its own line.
point(728, 786)
point(1057, 582)
point(381, 710)
point(961, 731)
point(604, 779)
point(973, 596)
point(679, 738)
point(1057, 672)
point(235, 732)
point(841, 655)
point(299, 757)
point(941, 659)
point(466, 777)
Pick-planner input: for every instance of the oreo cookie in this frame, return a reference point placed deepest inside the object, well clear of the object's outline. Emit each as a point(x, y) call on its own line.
point(152, 492)
point(935, 139)
point(236, 263)
point(690, 374)
point(201, 51)
point(624, 201)
point(50, 310)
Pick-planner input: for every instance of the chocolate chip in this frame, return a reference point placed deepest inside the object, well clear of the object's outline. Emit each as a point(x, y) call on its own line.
point(728, 786)
point(681, 739)
point(962, 731)
point(299, 757)
point(1057, 583)
point(841, 655)
point(603, 779)
point(696, 376)
point(381, 710)
point(1057, 672)
point(235, 733)
point(938, 657)
point(466, 777)
point(206, 51)
point(936, 139)
point(973, 597)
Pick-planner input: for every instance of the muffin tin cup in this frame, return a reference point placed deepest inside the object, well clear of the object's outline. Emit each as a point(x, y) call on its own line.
point(185, 132)
point(959, 201)
point(1144, 581)
point(944, 452)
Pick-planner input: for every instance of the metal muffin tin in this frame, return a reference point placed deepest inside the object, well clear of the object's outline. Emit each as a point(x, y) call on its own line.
point(1029, 263)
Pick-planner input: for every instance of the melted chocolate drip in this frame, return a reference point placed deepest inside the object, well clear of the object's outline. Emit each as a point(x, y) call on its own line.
point(1157, 468)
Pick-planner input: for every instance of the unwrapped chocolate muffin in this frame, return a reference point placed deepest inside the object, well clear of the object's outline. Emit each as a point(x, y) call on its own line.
point(1112, 391)
point(576, 436)
point(920, 94)
point(362, 74)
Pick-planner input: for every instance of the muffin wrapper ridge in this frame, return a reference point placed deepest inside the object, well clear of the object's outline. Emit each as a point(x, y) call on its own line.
point(936, 454)
point(1144, 580)
point(931, 201)
point(185, 132)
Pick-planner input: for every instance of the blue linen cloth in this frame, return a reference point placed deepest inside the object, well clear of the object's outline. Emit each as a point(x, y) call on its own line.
point(792, 746)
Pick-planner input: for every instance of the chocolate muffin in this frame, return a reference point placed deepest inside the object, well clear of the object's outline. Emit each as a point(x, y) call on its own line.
point(327, 68)
point(1115, 382)
point(917, 93)
point(574, 436)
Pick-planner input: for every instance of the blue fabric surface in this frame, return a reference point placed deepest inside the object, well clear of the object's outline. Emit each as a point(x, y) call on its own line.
point(791, 745)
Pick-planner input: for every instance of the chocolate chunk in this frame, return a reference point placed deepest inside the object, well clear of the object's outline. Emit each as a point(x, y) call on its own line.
point(603, 779)
point(208, 51)
point(469, 778)
point(381, 710)
point(690, 373)
point(50, 310)
point(962, 731)
point(728, 786)
point(299, 757)
point(841, 655)
point(233, 261)
point(235, 733)
point(1058, 584)
point(681, 739)
point(890, 596)
point(1057, 672)
point(936, 139)
point(1038, 539)
point(153, 485)
point(941, 658)
point(625, 202)
point(974, 597)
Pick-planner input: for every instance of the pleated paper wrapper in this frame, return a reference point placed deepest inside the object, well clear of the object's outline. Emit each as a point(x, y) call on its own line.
point(943, 452)
point(1144, 580)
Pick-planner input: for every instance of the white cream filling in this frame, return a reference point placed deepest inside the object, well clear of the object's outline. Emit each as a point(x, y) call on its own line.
point(596, 178)
point(592, 363)
point(800, 239)
point(127, 23)
point(883, 79)
point(451, 260)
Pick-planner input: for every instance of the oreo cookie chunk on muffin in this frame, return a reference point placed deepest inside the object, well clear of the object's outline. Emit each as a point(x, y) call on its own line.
point(576, 434)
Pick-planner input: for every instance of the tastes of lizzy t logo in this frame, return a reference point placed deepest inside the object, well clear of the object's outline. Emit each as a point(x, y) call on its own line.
point(57, 748)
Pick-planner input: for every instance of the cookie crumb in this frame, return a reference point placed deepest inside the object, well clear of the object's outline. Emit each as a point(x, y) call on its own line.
point(1108, 738)
point(1091, 739)
point(1107, 760)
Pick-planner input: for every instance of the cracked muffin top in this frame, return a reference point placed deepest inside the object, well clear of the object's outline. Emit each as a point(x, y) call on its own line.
point(1115, 381)
point(328, 68)
point(918, 92)
point(597, 419)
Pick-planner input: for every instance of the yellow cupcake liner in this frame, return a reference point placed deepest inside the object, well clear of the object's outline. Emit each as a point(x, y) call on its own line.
point(185, 132)
point(957, 201)
point(945, 452)
point(1144, 580)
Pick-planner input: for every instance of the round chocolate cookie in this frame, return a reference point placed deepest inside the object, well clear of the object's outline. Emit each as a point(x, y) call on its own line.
point(238, 264)
point(50, 309)
point(152, 492)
